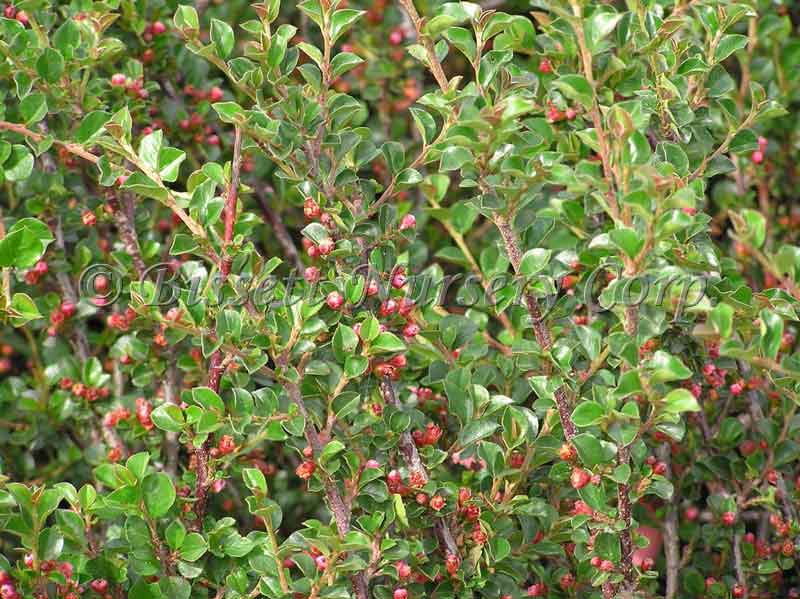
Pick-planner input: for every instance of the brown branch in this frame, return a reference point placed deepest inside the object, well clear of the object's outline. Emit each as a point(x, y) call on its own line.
point(123, 216)
point(231, 201)
point(75, 149)
point(625, 538)
point(342, 513)
point(670, 530)
point(414, 464)
point(282, 234)
point(80, 151)
point(540, 330)
point(427, 43)
point(218, 362)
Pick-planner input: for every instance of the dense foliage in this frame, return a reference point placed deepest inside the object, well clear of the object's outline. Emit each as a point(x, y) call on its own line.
point(369, 299)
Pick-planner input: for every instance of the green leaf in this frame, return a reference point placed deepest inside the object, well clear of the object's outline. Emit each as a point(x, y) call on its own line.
point(728, 45)
point(343, 62)
point(222, 37)
point(355, 366)
point(449, 14)
point(23, 310)
point(721, 318)
point(19, 165)
point(674, 155)
point(607, 546)
point(169, 163)
point(208, 398)
point(229, 112)
point(182, 244)
point(476, 430)
point(193, 548)
point(425, 124)
point(400, 509)
point(229, 325)
point(149, 148)
point(370, 328)
point(92, 126)
point(454, 157)
point(744, 142)
point(771, 333)
point(345, 342)
point(665, 367)
point(168, 417)
point(387, 343)
point(576, 88)
point(50, 65)
point(590, 340)
point(589, 449)
point(600, 25)
point(186, 18)
point(331, 450)
point(463, 40)
point(756, 226)
point(158, 493)
point(254, 480)
point(342, 20)
point(628, 240)
point(25, 243)
point(588, 413)
point(680, 400)
point(51, 543)
point(33, 108)
point(534, 261)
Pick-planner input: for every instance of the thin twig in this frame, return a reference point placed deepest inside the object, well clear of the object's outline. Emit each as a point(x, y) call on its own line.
point(540, 330)
point(217, 363)
point(670, 534)
point(127, 231)
point(342, 513)
point(80, 151)
point(414, 464)
point(427, 43)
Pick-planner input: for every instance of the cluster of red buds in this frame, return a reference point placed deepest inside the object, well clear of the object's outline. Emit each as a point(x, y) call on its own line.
point(134, 87)
point(37, 272)
point(58, 316)
point(78, 389)
point(306, 469)
point(143, 410)
point(429, 436)
point(122, 320)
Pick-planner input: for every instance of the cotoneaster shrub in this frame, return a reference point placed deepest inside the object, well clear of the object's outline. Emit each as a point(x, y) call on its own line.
point(373, 299)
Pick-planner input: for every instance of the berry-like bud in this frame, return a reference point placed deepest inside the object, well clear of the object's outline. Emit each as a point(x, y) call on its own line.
point(409, 221)
point(579, 478)
point(216, 94)
point(567, 452)
point(88, 218)
point(335, 300)
point(311, 274)
point(410, 330)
